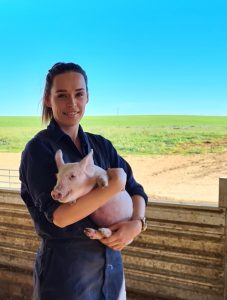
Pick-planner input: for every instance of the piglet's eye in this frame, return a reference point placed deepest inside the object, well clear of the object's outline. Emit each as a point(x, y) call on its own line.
point(72, 176)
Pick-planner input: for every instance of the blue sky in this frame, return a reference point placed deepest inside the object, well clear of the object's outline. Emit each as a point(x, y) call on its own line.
point(141, 57)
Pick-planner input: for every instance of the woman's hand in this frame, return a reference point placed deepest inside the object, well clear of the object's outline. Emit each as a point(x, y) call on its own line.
point(123, 234)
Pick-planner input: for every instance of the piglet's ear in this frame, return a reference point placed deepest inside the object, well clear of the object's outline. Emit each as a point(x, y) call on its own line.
point(87, 160)
point(59, 159)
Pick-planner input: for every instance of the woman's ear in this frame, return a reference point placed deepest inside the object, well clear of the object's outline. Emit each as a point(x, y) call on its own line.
point(47, 101)
point(87, 97)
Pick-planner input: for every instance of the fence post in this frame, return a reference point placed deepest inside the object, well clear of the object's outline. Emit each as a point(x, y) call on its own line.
point(223, 192)
point(223, 203)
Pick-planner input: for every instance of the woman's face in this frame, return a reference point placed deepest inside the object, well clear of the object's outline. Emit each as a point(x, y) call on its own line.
point(68, 98)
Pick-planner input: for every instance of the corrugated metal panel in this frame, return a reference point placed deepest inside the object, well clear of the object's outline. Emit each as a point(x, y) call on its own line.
point(180, 256)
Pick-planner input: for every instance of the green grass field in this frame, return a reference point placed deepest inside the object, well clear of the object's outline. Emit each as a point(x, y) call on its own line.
point(134, 135)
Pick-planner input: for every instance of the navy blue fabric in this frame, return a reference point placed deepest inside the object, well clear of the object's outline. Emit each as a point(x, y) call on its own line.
point(69, 265)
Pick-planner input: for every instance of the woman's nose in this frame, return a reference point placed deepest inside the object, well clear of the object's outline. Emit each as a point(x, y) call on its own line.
point(72, 100)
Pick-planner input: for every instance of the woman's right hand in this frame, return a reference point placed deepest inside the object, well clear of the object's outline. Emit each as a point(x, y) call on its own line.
point(117, 177)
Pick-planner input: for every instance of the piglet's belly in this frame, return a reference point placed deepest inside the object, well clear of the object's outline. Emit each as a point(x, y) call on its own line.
point(117, 209)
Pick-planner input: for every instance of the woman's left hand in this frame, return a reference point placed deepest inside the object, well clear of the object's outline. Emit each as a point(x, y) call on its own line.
point(123, 234)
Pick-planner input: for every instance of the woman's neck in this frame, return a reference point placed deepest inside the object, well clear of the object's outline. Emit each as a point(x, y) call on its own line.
point(72, 132)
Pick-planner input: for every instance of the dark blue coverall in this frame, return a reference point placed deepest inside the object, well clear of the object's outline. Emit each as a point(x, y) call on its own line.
point(68, 265)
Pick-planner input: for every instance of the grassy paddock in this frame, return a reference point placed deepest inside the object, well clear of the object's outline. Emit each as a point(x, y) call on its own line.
point(136, 135)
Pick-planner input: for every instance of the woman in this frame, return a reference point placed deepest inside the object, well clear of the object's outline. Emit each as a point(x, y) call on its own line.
point(70, 266)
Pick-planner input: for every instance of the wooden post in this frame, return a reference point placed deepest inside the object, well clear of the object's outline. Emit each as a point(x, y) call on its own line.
point(223, 192)
point(223, 204)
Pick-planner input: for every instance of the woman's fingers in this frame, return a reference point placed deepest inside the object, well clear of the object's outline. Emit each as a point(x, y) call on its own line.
point(115, 245)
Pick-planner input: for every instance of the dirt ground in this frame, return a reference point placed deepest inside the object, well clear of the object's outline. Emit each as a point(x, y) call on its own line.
point(191, 179)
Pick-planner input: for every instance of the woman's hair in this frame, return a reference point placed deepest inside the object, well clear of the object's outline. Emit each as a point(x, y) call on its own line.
point(58, 68)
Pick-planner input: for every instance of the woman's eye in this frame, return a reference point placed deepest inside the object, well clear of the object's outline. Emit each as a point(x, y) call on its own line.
point(62, 96)
point(79, 94)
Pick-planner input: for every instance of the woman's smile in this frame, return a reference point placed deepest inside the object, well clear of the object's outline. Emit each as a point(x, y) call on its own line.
point(71, 113)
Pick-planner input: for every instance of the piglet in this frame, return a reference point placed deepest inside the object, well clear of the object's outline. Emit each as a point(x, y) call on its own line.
point(77, 179)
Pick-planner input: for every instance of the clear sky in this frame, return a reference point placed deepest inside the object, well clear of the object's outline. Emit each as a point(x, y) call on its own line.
point(141, 57)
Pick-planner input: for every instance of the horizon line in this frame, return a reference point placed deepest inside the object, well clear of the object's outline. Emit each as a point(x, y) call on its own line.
point(123, 115)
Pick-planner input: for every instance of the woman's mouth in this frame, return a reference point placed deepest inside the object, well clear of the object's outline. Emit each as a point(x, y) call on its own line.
point(71, 113)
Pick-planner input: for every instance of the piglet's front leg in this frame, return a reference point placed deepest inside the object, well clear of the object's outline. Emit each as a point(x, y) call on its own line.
point(98, 234)
point(102, 180)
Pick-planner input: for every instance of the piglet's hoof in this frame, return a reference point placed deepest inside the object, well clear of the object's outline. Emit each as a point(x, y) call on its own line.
point(91, 233)
point(102, 181)
point(97, 234)
point(106, 232)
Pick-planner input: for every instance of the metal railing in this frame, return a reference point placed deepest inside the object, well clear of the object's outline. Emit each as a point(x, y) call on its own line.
point(9, 178)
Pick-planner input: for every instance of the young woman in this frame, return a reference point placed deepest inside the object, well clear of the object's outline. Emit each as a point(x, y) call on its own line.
point(70, 266)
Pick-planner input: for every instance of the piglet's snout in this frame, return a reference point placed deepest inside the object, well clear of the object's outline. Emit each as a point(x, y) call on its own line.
point(56, 195)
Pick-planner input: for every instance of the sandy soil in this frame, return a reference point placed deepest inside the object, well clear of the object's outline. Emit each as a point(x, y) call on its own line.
point(191, 179)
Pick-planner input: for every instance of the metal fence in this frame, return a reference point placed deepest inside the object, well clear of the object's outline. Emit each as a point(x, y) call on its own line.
point(9, 178)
